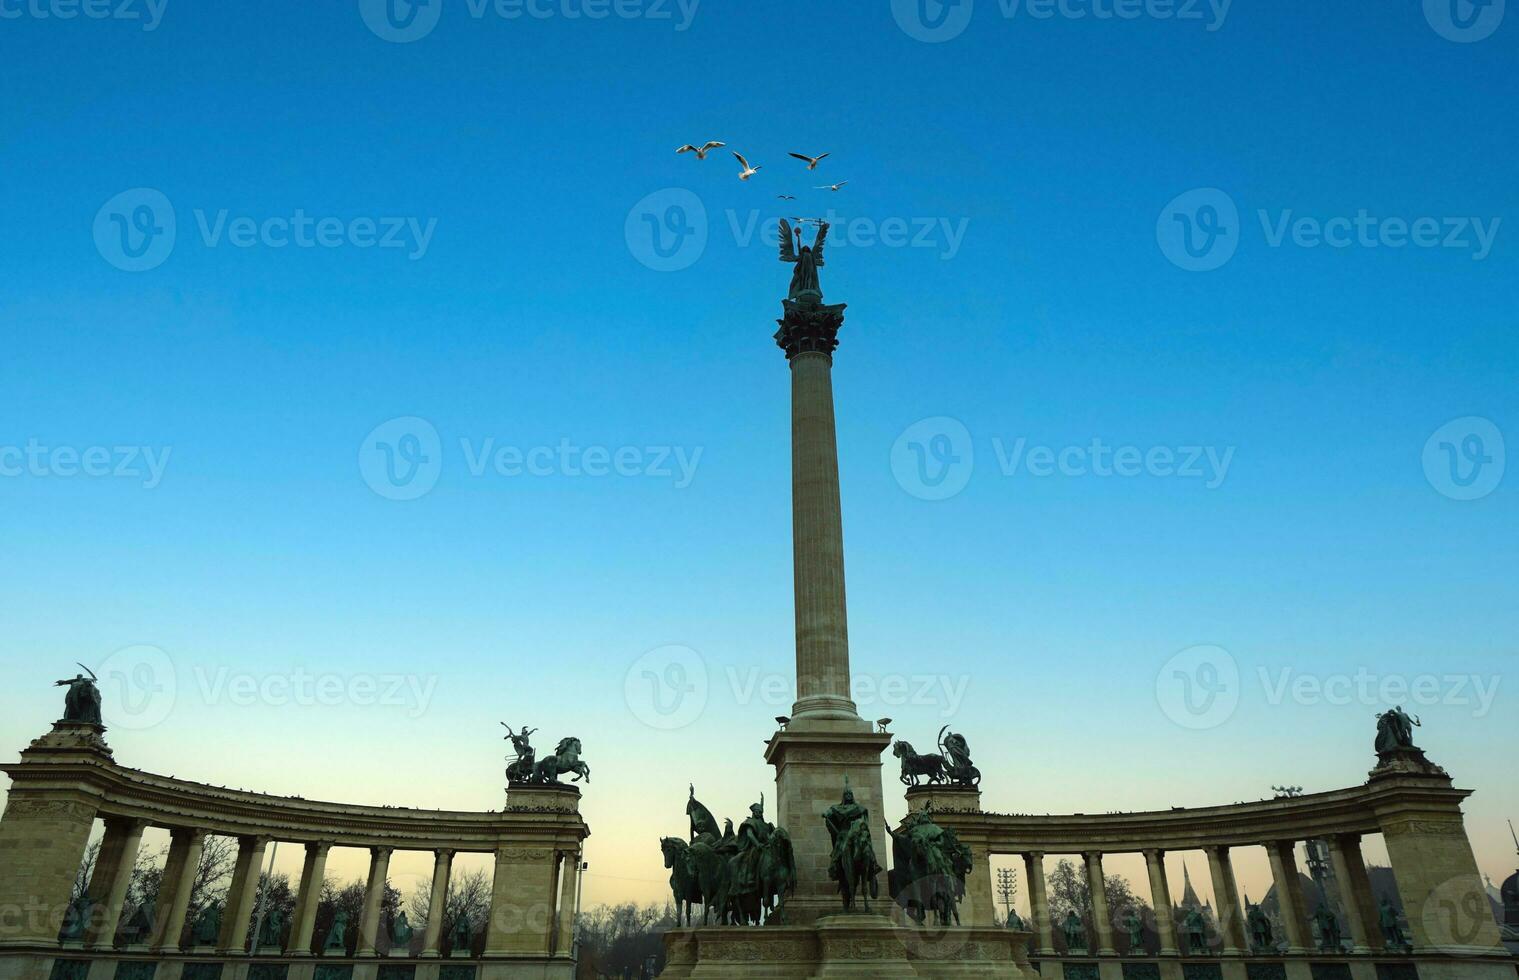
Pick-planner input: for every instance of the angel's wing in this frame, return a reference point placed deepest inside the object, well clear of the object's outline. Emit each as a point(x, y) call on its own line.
point(817, 247)
point(788, 248)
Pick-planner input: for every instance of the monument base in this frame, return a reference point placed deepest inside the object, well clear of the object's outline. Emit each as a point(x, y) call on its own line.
point(845, 945)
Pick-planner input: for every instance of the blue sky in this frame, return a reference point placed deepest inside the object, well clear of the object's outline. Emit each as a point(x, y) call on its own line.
point(1008, 247)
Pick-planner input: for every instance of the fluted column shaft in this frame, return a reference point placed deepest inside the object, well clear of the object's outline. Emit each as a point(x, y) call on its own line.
point(822, 629)
point(1231, 922)
point(1102, 921)
point(1355, 892)
point(313, 871)
point(374, 899)
point(1160, 897)
point(437, 905)
point(174, 893)
point(1038, 902)
point(1289, 894)
point(108, 883)
point(242, 895)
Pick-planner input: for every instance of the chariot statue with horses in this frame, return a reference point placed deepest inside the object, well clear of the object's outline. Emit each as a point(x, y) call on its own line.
point(525, 768)
point(951, 764)
point(739, 878)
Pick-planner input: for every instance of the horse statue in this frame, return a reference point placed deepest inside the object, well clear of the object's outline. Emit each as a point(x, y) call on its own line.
point(684, 885)
point(566, 758)
point(915, 766)
point(853, 861)
point(930, 865)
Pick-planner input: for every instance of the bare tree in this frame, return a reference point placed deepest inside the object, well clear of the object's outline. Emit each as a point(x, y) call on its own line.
point(1069, 891)
point(617, 940)
point(469, 895)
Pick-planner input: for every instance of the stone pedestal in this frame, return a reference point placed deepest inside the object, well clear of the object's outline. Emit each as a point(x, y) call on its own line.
point(812, 761)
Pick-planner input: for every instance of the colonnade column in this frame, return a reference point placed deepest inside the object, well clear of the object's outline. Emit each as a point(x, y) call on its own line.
point(241, 896)
point(374, 900)
point(1038, 903)
point(437, 905)
point(1231, 923)
point(1101, 920)
point(569, 876)
point(1289, 894)
point(108, 883)
point(178, 882)
point(1355, 892)
point(303, 921)
point(1160, 897)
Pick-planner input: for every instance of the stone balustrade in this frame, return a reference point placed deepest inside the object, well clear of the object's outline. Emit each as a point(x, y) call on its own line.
point(68, 779)
point(1451, 933)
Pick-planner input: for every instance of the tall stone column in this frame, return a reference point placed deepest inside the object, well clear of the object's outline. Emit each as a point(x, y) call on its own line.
point(374, 900)
point(1102, 920)
point(108, 883)
point(1231, 921)
point(569, 880)
point(241, 896)
point(1289, 895)
point(826, 744)
point(1038, 901)
point(1355, 892)
point(1160, 897)
point(437, 905)
point(174, 894)
point(309, 896)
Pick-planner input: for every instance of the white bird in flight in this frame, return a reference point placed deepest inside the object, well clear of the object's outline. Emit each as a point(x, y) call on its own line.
point(832, 187)
point(748, 170)
point(701, 151)
point(812, 162)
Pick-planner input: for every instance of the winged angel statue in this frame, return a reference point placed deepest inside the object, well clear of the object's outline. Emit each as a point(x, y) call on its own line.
point(805, 287)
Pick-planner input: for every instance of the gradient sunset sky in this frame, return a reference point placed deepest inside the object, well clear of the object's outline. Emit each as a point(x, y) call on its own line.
point(1317, 526)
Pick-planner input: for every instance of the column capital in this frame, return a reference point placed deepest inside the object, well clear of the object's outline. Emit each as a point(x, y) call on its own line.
point(444, 853)
point(1154, 853)
point(1092, 855)
point(809, 329)
point(1034, 855)
point(380, 850)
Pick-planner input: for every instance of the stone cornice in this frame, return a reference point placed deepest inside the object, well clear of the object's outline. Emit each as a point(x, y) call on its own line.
point(1358, 810)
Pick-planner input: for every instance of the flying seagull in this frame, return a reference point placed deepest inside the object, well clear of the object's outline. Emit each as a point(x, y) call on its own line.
point(832, 187)
point(784, 197)
point(748, 170)
point(812, 162)
point(701, 151)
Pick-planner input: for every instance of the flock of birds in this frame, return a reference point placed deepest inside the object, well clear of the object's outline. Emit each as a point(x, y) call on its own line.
point(749, 170)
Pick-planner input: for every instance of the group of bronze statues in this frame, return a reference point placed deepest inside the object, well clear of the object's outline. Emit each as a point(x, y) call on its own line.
point(739, 878)
point(524, 767)
point(951, 764)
